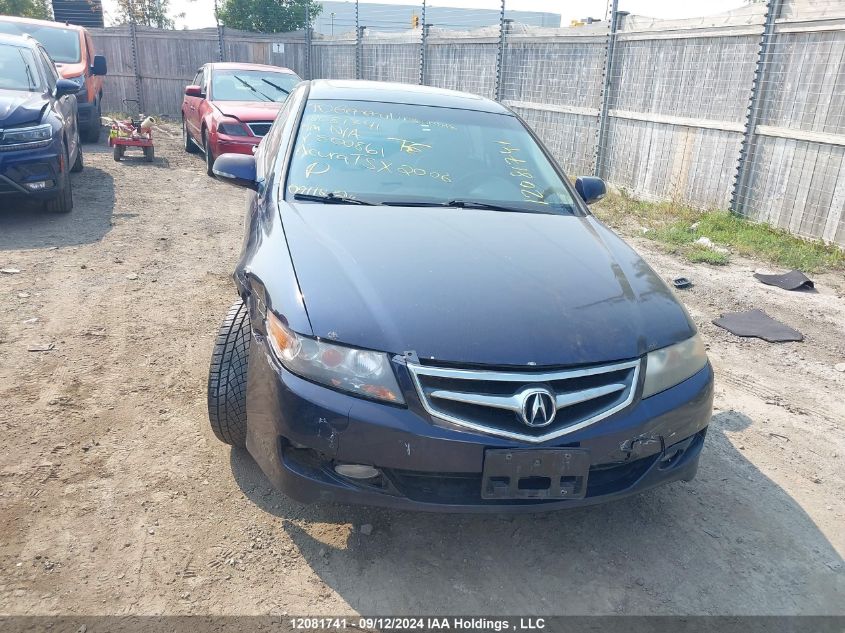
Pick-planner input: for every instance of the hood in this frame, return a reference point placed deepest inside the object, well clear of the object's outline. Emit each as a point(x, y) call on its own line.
point(72, 69)
point(249, 110)
point(19, 107)
point(478, 287)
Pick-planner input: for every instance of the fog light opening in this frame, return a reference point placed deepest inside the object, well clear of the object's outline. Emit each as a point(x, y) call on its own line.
point(357, 471)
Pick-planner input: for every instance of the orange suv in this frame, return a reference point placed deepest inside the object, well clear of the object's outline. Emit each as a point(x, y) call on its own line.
point(72, 50)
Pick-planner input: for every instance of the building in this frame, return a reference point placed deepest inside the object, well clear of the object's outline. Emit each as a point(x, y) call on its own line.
point(87, 13)
point(339, 17)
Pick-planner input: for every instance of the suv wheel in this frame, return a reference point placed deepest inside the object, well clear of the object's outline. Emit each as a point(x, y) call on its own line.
point(92, 133)
point(78, 164)
point(63, 202)
point(228, 377)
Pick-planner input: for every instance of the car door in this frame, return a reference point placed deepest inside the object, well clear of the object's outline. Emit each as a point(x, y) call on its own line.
point(66, 105)
point(192, 113)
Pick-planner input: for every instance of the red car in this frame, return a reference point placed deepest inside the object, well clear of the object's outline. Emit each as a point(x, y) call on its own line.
point(231, 106)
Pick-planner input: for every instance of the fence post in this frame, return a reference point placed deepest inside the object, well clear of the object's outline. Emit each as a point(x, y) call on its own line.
point(756, 103)
point(500, 57)
point(423, 38)
point(308, 73)
point(139, 94)
point(610, 58)
point(358, 61)
point(221, 55)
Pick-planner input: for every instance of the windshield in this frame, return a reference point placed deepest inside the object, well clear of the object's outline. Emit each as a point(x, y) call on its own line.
point(398, 153)
point(18, 70)
point(251, 85)
point(61, 44)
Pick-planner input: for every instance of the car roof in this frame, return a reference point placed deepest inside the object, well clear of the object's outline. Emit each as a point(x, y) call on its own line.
point(18, 40)
point(388, 92)
point(58, 25)
point(243, 66)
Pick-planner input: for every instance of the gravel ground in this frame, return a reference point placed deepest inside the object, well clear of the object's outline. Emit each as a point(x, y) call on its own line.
point(115, 498)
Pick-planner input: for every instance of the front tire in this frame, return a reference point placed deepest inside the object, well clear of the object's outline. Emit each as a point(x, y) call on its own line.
point(63, 202)
point(227, 378)
point(209, 157)
point(78, 164)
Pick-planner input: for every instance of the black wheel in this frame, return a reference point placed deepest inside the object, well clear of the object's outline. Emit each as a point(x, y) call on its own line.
point(187, 142)
point(63, 202)
point(149, 153)
point(91, 134)
point(209, 157)
point(228, 375)
point(78, 164)
point(119, 150)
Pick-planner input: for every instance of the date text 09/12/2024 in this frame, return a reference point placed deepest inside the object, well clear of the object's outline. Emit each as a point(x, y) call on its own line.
point(453, 623)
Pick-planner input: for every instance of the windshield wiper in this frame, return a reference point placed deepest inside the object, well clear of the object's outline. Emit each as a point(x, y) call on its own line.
point(279, 88)
point(474, 204)
point(253, 88)
point(29, 76)
point(331, 198)
point(460, 204)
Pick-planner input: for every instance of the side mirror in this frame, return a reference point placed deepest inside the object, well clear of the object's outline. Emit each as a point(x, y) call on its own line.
point(65, 87)
point(236, 169)
point(193, 91)
point(590, 188)
point(99, 67)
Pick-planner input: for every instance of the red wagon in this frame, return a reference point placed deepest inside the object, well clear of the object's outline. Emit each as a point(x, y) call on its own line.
point(132, 133)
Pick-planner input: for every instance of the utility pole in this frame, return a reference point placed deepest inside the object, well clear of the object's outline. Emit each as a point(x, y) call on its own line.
point(332, 22)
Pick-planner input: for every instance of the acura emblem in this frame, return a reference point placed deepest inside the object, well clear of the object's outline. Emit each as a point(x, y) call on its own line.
point(538, 408)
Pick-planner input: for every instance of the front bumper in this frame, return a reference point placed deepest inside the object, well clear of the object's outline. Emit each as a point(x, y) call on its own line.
point(224, 144)
point(22, 166)
point(298, 431)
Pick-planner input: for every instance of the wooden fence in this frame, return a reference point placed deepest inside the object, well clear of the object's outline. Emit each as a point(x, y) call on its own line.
point(745, 110)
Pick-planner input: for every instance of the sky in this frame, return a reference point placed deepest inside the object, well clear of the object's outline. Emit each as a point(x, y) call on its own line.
point(200, 13)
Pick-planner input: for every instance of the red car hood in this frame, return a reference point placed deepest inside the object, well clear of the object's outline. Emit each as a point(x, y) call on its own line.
point(249, 110)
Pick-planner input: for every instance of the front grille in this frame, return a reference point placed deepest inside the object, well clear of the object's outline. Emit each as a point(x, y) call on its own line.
point(260, 129)
point(505, 403)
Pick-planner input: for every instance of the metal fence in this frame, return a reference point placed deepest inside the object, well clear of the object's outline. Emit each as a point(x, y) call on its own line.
point(744, 110)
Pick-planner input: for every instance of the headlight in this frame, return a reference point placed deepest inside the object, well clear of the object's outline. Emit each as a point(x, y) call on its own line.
point(360, 372)
point(671, 365)
point(28, 134)
point(232, 128)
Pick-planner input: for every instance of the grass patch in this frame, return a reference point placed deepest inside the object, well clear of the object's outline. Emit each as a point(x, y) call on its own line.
point(678, 227)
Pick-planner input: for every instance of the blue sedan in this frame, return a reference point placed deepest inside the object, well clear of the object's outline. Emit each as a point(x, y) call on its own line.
point(429, 316)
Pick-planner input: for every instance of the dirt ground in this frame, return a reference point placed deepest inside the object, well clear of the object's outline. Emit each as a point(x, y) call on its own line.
point(115, 498)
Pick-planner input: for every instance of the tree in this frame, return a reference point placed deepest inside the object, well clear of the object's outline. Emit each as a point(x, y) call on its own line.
point(268, 16)
point(26, 8)
point(146, 13)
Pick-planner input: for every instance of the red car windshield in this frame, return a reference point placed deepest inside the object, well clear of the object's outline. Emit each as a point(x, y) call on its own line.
point(251, 85)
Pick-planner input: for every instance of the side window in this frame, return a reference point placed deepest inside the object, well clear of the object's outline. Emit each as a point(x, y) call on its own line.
point(198, 77)
point(51, 76)
point(269, 147)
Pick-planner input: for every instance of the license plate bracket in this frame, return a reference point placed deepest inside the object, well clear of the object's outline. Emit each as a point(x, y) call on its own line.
point(549, 473)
